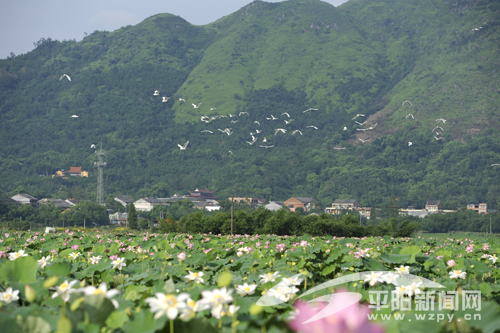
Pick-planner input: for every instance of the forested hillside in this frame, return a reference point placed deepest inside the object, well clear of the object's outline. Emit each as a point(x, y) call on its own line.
point(400, 64)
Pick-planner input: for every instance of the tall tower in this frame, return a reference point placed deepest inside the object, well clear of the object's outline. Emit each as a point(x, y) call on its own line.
point(100, 177)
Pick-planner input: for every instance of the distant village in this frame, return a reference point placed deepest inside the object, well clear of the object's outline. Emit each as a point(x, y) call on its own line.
point(204, 199)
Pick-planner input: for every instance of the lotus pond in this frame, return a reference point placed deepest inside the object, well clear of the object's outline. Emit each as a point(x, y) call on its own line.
point(101, 281)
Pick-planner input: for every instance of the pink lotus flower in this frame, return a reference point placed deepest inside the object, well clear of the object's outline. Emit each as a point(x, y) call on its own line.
point(75, 247)
point(113, 257)
point(353, 319)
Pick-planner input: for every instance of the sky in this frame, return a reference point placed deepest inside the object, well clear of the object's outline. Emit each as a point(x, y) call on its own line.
point(23, 22)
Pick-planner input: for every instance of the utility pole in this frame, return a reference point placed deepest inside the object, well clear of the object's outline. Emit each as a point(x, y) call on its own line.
point(100, 177)
point(83, 223)
point(490, 225)
point(232, 209)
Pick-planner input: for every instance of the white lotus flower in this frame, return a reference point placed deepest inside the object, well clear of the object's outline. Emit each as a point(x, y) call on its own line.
point(64, 290)
point(246, 289)
point(493, 258)
point(191, 308)
point(292, 281)
point(413, 289)
point(403, 269)
point(457, 274)
point(74, 255)
point(44, 262)
point(102, 290)
point(230, 310)
point(403, 290)
point(216, 299)
point(95, 260)
point(391, 278)
point(196, 277)
point(9, 295)
point(18, 254)
point(283, 292)
point(167, 305)
point(119, 263)
point(269, 277)
point(374, 278)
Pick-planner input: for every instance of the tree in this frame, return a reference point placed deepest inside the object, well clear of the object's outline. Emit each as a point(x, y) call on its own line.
point(132, 217)
point(144, 224)
point(88, 211)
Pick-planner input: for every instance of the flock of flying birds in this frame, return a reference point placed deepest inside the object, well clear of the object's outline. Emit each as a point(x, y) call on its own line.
point(234, 119)
point(437, 130)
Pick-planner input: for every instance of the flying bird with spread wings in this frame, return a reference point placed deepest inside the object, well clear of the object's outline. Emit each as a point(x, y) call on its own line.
point(74, 116)
point(254, 139)
point(358, 115)
point(276, 131)
point(310, 109)
point(296, 131)
point(406, 102)
point(165, 99)
point(361, 124)
point(207, 131)
point(442, 120)
point(312, 126)
point(65, 75)
point(183, 147)
point(266, 146)
point(286, 114)
point(288, 121)
point(410, 115)
point(272, 118)
point(243, 112)
point(435, 128)
point(156, 93)
point(182, 100)
point(363, 140)
point(196, 106)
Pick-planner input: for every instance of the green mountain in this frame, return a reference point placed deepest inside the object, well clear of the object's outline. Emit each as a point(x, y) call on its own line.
point(402, 64)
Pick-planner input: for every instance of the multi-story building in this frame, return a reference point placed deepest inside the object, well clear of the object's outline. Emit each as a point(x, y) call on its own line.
point(481, 208)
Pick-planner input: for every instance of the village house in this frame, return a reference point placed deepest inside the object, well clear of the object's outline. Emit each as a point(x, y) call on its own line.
point(147, 204)
point(202, 193)
point(254, 202)
point(481, 208)
point(302, 202)
point(118, 218)
point(410, 211)
point(340, 205)
point(73, 172)
point(274, 205)
point(433, 206)
point(25, 199)
point(59, 203)
point(208, 204)
point(124, 200)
